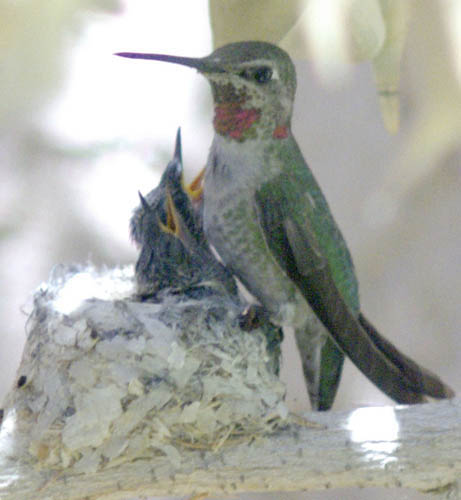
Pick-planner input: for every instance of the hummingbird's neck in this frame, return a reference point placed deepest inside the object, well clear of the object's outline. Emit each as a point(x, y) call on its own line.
point(239, 122)
point(242, 114)
point(232, 120)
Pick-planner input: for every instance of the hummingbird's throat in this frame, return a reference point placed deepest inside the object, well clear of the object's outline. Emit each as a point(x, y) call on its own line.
point(234, 121)
point(238, 123)
point(241, 112)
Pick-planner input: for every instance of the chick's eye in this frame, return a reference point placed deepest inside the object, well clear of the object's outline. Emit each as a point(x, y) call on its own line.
point(263, 74)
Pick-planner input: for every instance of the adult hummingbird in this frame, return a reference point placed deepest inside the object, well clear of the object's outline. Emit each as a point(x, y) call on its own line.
point(271, 225)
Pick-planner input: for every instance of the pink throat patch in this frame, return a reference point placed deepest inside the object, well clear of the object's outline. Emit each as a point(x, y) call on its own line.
point(280, 132)
point(232, 120)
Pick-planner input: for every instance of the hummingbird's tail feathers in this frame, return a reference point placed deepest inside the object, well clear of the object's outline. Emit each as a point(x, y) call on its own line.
point(397, 376)
point(427, 382)
point(310, 350)
point(322, 364)
point(331, 367)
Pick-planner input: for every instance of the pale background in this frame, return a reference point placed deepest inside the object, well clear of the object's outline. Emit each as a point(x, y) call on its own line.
point(81, 131)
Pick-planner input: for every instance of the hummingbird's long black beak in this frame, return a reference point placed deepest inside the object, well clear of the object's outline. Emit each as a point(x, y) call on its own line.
point(202, 64)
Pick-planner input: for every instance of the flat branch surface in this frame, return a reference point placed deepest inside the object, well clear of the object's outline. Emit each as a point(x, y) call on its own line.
point(422, 451)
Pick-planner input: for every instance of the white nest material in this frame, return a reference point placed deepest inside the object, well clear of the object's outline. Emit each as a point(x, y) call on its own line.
point(105, 379)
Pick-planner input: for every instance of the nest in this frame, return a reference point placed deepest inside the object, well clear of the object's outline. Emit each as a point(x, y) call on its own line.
point(105, 379)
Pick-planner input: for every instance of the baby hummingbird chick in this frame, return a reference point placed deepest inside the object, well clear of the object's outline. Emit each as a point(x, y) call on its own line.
point(175, 255)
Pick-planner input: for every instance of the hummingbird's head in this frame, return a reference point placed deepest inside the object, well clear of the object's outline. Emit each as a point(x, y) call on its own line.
point(253, 85)
point(151, 213)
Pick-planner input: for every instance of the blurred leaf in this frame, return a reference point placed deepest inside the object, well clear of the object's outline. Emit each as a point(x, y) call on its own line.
point(336, 33)
point(386, 65)
point(436, 97)
point(265, 20)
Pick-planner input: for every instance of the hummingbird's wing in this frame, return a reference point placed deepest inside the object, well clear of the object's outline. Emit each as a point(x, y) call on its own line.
point(285, 220)
point(322, 370)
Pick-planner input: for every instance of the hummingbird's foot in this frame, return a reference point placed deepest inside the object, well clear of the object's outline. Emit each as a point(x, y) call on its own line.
point(253, 316)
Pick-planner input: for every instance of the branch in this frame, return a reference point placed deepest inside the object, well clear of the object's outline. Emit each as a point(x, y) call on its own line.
point(116, 399)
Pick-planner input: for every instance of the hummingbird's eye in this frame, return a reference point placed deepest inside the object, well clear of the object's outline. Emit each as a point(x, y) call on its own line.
point(263, 74)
